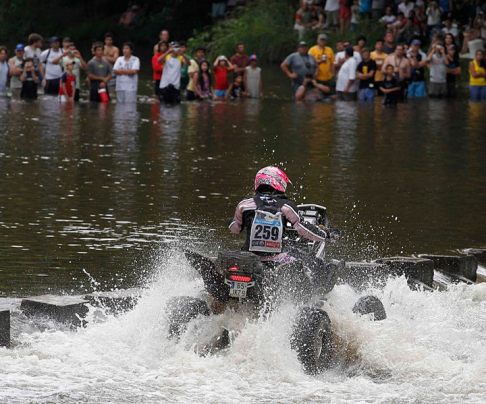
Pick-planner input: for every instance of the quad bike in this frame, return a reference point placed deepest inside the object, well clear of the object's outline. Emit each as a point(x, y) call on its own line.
point(244, 282)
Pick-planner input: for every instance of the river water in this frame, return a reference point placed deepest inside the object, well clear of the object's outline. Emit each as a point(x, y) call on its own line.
point(113, 191)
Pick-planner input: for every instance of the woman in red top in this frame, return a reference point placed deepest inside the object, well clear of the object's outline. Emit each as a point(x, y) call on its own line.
point(158, 65)
point(221, 68)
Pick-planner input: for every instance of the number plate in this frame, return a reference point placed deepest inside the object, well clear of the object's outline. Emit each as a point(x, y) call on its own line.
point(238, 289)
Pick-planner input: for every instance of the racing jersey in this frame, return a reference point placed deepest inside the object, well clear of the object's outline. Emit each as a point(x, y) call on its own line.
point(264, 217)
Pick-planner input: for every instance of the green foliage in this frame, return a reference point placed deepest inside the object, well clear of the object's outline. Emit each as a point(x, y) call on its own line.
point(265, 26)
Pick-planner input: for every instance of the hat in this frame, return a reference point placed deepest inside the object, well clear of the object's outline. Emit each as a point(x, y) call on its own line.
point(19, 47)
point(53, 39)
point(253, 57)
point(220, 57)
point(322, 36)
point(416, 42)
point(302, 44)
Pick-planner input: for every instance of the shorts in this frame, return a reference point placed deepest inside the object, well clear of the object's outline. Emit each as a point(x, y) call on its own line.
point(366, 95)
point(437, 89)
point(416, 89)
point(342, 96)
point(52, 87)
point(170, 95)
point(477, 93)
point(220, 93)
point(126, 97)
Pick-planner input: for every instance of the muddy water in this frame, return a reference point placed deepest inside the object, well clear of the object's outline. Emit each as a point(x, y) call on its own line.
point(102, 189)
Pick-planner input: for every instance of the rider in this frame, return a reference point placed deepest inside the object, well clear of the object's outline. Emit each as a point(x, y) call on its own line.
point(265, 217)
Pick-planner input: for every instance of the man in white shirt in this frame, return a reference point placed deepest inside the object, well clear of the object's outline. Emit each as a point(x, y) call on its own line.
point(126, 69)
point(347, 82)
point(341, 56)
point(170, 83)
point(405, 7)
point(33, 51)
point(51, 59)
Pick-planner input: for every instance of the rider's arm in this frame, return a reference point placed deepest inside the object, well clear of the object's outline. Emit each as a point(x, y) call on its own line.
point(306, 230)
point(236, 224)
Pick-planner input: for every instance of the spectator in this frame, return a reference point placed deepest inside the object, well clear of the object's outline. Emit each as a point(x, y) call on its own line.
point(355, 16)
point(341, 56)
point(332, 13)
point(405, 6)
point(311, 90)
point(400, 27)
point(360, 44)
point(377, 7)
point(297, 65)
point(99, 73)
point(477, 77)
point(74, 56)
point(303, 18)
point(344, 15)
point(433, 18)
point(347, 84)
point(170, 83)
point(366, 75)
point(253, 79)
point(4, 71)
point(437, 61)
point(418, 61)
point(15, 67)
point(126, 69)
point(379, 57)
point(222, 67)
point(203, 81)
point(389, 18)
point(450, 27)
point(324, 57)
point(33, 51)
point(240, 59)
point(364, 8)
point(390, 87)
point(111, 53)
point(401, 66)
point(29, 81)
point(163, 37)
point(389, 43)
point(218, 9)
point(236, 90)
point(192, 69)
point(158, 66)
point(67, 87)
point(200, 54)
point(184, 68)
point(51, 58)
point(453, 66)
point(66, 44)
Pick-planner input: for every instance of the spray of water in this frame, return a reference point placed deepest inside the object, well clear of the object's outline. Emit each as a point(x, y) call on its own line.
point(428, 350)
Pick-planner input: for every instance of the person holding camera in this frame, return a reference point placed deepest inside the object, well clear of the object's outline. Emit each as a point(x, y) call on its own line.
point(437, 61)
point(311, 90)
point(170, 83)
point(73, 56)
point(29, 80)
point(297, 65)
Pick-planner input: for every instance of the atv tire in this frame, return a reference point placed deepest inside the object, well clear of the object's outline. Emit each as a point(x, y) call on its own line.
point(181, 310)
point(370, 305)
point(311, 339)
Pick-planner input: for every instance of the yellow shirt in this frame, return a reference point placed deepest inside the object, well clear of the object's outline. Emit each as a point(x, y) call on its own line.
point(477, 81)
point(325, 60)
point(379, 58)
point(193, 68)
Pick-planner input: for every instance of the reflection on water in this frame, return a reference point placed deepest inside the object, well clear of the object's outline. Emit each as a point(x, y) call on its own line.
point(100, 187)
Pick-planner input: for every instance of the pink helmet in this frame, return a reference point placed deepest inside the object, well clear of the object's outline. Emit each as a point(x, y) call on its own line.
point(273, 177)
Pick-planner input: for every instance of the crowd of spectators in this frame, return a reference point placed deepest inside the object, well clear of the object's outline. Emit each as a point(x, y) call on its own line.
point(418, 55)
point(60, 70)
